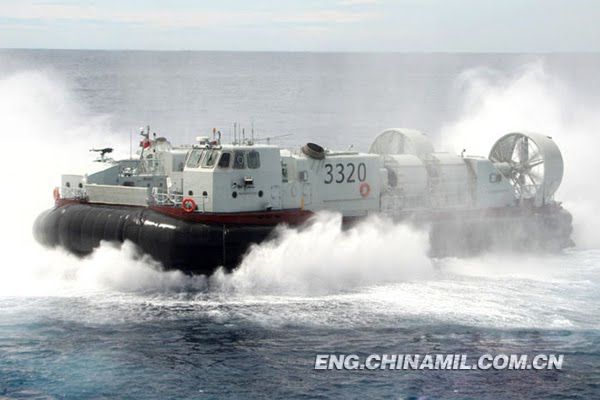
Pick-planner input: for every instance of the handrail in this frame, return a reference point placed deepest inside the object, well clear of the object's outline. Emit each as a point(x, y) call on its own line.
point(163, 198)
point(71, 193)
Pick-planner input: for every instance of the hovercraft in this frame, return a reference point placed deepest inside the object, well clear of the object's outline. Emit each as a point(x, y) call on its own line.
point(201, 206)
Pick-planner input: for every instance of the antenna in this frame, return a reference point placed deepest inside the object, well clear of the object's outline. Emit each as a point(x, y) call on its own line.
point(268, 139)
point(243, 135)
point(131, 144)
point(253, 130)
point(143, 142)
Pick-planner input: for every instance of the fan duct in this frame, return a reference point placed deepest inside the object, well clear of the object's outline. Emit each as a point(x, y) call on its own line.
point(532, 162)
point(402, 141)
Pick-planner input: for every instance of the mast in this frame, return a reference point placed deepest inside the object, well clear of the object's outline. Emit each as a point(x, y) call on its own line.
point(131, 144)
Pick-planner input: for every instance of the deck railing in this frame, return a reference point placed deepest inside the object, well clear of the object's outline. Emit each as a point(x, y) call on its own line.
point(71, 193)
point(163, 198)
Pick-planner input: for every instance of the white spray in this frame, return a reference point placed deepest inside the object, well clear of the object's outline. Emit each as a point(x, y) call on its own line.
point(495, 103)
point(46, 133)
point(322, 258)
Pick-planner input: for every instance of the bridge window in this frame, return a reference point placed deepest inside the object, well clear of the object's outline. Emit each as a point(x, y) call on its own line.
point(284, 172)
point(225, 160)
point(253, 159)
point(194, 159)
point(238, 160)
point(210, 159)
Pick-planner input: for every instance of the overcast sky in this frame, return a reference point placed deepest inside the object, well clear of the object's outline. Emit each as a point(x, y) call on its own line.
point(306, 25)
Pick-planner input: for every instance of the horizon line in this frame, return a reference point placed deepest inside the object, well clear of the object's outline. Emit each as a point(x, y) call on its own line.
point(421, 52)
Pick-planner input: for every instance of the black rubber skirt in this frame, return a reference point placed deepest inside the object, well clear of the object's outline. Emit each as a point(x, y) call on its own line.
point(201, 248)
point(189, 246)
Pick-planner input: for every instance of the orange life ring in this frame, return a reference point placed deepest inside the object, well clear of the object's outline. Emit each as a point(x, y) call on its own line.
point(188, 205)
point(365, 189)
point(56, 194)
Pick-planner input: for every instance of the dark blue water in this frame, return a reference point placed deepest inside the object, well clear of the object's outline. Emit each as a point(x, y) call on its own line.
point(115, 325)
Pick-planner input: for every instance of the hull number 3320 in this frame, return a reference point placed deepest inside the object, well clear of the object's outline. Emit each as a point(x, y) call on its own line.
point(345, 173)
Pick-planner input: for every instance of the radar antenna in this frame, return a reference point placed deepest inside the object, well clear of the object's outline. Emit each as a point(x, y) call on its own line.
point(103, 152)
point(268, 138)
